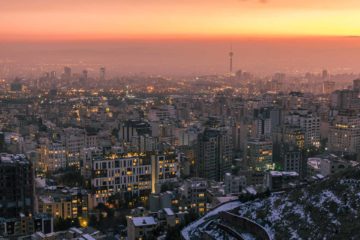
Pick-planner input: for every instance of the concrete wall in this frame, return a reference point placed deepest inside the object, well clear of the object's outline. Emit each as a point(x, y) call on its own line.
point(238, 222)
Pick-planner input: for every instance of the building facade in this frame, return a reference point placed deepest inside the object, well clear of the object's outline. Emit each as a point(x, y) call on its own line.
point(16, 185)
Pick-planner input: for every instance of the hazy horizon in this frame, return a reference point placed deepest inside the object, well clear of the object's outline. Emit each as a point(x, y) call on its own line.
point(181, 37)
point(190, 56)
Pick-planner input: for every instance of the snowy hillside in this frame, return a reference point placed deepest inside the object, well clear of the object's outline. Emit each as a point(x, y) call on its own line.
point(325, 210)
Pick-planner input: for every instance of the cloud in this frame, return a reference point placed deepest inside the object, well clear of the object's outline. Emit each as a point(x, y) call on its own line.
point(352, 36)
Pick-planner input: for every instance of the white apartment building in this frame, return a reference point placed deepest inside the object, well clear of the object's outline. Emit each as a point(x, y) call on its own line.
point(161, 113)
point(53, 156)
point(74, 140)
point(234, 184)
point(344, 133)
point(309, 123)
point(131, 173)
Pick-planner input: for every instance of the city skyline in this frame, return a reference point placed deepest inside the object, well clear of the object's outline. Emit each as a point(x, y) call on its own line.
point(180, 57)
point(180, 37)
point(179, 120)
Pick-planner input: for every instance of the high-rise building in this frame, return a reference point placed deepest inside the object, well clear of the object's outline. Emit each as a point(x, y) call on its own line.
point(67, 72)
point(74, 140)
point(309, 122)
point(288, 157)
point(84, 76)
point(194, 194)
point(238, 74)
point(131, 174)
point(102, 73)
point(259, 155)
point(16, 185)
point(325, 74)
point(265, 120)
point(345, 99)
point(291, 135)
point(328, 87)
point(133, 128)
point(17, 85)
point(292, 160)
point(53, 75)
point(2, 142)
point(344, 133)
point(356, 84)
point(214, 154)
point(52, 156)
point(161, 113)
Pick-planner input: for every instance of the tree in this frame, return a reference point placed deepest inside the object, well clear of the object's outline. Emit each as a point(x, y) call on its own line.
point(173, 233)
point(64, 224)
point(71, 178)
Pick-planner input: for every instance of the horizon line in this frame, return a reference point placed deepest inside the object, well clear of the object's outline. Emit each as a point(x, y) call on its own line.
point(172, 37)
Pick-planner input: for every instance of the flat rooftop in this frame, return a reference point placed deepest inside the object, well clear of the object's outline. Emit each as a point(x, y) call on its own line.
point(6, 158)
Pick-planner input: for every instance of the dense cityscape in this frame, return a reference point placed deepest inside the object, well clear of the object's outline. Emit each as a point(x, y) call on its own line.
point(179, 120)
point(143, 157)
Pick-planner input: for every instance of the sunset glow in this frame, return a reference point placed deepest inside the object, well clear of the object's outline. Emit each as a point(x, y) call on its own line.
point(110, 19)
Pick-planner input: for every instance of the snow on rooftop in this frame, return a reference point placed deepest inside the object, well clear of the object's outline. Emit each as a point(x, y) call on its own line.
point(293, 174)
point(88, 237)
point(143, 221)
point(319, 176)
point(169, 212)
point(13, 158)
point(275, 173)
point(226, 199)
point(251, 190)
point(76, 230)
point(314, 162)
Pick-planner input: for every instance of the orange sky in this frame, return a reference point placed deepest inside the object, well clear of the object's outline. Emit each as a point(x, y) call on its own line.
point(116, 19)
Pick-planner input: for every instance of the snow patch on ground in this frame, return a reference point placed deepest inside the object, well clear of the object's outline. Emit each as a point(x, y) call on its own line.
point(286, 212)
point(299, 210)
point(328, 196)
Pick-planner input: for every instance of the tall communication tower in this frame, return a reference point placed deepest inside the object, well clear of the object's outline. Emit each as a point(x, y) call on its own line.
point(231, 54)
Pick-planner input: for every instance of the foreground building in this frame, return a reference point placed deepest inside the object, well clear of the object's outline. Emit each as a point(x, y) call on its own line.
point(140, 227)
point(131, 174)
point(309, 122)
point(344, 133)
point(258, 155)
point(72, 203)
point(21, 226)
point(214, 154)
point(193, 193)
point(16, 185)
